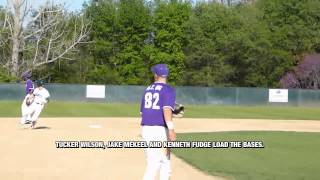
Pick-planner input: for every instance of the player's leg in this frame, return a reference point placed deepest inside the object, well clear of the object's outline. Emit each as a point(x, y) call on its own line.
point(29, 117)
point(24, 113)
point(149, 133)
point(29, 111)
point(154, 156)
point(37, 111)
point(153, 164)
point(165, 166)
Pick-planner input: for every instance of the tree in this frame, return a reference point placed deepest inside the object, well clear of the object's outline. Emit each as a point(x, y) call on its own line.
point(4, 41)
point(306, 75)
point(206, 34)
point(256, 60)
point(132, 35)
point(50, 35)
point(105, 46)
point(231, 46)
point(294, 24)
point(103, 15)
point(170, 19)
point(134, 29)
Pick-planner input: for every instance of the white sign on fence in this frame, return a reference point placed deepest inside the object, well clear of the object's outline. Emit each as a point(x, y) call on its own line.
point(278, 95)
point(96, 91)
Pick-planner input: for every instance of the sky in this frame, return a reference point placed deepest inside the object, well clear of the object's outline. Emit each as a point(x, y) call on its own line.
point(72, 5)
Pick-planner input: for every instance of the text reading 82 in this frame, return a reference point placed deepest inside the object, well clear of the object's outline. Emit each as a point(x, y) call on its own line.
point(151, 100)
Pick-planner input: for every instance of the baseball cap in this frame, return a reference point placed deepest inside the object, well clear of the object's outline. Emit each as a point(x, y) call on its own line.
point(40, 82)
point(160, 70)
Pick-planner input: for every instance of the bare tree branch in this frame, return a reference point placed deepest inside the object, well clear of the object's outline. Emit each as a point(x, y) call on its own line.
point(80, 38)
point(49, 35)
point(36, 51)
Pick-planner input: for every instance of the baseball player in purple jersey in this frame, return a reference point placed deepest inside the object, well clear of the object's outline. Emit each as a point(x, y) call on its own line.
point(25, 109)
point(29, 84)
point(156, 109)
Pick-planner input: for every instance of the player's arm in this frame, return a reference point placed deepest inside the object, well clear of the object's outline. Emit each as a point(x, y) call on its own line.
point(46, 100)
point(168, 107)
point(141, 105)
point(29, 85)
point(47, 97)
point(167, 111)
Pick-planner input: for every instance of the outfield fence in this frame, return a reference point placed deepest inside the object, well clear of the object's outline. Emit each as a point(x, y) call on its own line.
point(185, 95)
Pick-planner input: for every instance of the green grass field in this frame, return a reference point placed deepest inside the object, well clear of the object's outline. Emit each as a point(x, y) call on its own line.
point(286, 156)
point(90, 109)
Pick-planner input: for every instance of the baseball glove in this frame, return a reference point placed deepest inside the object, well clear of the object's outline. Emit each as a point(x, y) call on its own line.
point(29, 100)
point(178, 110)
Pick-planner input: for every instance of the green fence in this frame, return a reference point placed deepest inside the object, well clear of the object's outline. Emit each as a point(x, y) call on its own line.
point(185, 95)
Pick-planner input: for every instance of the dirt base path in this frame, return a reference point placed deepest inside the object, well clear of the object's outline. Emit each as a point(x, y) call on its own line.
point(31, 154)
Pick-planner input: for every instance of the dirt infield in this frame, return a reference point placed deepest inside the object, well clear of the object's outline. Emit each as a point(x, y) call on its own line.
point(31, 154)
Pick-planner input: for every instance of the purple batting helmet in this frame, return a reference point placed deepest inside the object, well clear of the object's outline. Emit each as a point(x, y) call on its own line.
point(160, 70)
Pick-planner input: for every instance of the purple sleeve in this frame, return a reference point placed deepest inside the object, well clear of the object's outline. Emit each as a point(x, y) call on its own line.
point(169, 98)
point(29, 85)
point(141, 104)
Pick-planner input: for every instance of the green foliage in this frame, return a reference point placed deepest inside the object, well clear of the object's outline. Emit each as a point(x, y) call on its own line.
point(204, 44)
point(129, 38)
point(294, 24)
point(102, 73)
point(259, 62)
point(170, 19)
point(208, 30)
point(232, 47)
point(134, 28)
point(249, 45)
point(5, 76)
point(103, 33)
point(119, 32)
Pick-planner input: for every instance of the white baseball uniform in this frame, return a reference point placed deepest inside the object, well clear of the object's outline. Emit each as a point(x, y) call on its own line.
point(41, 97)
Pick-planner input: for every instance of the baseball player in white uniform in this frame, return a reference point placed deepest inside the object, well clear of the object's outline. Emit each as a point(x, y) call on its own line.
point(156, 110)
point(41, 97)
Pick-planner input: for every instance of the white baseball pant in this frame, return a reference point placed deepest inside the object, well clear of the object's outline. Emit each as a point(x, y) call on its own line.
point(158, 159)
point(26, 112)
point(37, 107)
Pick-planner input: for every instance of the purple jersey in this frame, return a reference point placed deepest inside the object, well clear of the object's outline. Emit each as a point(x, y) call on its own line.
point(29, 85)
point(155, 98)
